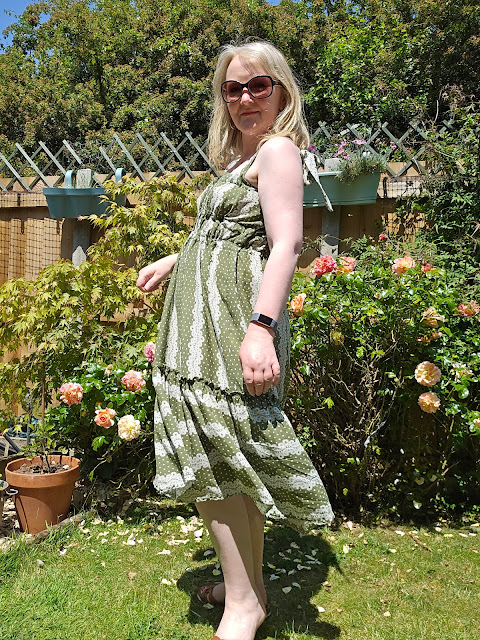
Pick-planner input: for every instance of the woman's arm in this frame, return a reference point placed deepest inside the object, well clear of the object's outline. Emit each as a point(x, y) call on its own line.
point(151, 276)
point(280, 188)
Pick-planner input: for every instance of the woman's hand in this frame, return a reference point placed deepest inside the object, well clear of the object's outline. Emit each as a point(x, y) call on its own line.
point(151, 276)
point(259, 360)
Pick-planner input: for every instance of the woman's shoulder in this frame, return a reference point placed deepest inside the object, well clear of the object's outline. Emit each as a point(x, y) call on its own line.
point(278, 144)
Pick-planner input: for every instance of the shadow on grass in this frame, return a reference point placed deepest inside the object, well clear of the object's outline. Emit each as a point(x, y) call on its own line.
point(291, 611)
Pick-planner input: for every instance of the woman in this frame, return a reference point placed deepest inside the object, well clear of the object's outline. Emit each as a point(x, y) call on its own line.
point(221, 437)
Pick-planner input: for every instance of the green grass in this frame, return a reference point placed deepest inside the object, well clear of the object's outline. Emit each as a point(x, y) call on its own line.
point(372, 583)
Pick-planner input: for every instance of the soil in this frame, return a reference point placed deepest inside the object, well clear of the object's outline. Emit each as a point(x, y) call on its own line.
point(55, 467)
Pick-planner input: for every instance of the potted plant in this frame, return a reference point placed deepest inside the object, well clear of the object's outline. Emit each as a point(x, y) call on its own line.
point(351, 176)
point(44, 480)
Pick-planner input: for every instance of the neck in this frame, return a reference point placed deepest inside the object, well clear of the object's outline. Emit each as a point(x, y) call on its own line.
point(249, 147)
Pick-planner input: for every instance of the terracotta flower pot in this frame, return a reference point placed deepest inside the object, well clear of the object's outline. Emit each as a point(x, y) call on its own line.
point(42, 499)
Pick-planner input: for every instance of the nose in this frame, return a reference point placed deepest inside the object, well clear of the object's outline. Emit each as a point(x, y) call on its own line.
point(245, 93)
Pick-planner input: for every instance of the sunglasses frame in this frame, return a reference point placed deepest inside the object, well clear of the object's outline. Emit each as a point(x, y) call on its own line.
point(244, 85)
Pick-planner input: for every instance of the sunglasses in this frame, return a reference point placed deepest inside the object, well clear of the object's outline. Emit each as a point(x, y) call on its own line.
point(258, 87)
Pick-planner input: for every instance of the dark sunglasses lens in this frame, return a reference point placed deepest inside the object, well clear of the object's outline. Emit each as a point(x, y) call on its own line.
point(260, 87)
point(231, 91)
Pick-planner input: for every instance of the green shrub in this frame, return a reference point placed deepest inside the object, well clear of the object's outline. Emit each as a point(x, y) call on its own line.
point(354, 397)
point(75, 321)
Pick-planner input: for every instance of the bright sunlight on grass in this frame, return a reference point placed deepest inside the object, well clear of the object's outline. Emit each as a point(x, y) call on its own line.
point(136, 578)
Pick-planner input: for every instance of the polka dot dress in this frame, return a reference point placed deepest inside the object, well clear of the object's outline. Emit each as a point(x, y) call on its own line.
point(212, 439)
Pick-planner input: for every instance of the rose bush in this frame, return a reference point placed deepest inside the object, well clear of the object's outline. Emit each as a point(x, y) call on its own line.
point(364, 347)
point(111, 427)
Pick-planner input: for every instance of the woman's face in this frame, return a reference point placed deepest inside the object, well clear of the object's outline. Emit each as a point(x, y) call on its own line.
point(252, 116)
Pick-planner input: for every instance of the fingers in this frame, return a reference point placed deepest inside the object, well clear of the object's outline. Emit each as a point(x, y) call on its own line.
point(148, 279)
point(259, 382)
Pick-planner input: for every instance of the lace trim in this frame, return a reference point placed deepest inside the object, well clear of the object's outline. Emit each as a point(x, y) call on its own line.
point(195, 356)
point(236, 410)
point(165, 409)
point(281, 450)
point(257, 275)
point(172, 346)
point(305, 482)
point(215, 300)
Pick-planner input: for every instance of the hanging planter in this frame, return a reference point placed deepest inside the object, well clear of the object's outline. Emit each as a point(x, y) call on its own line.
point(362, 190)
point(71, 201)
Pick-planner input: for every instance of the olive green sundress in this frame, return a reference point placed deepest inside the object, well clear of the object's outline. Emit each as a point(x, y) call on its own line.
point(212, 438)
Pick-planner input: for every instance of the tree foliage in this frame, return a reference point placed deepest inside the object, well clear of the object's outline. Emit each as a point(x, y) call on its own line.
point(77, 68)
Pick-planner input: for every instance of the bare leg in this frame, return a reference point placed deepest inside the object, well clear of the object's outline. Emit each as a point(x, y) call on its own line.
point(228, 522)
point(256, 522)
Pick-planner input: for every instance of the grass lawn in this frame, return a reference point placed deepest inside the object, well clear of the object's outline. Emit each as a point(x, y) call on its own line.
point(133, 579)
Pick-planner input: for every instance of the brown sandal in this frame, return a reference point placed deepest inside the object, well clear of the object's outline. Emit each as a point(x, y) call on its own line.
point(205, 595)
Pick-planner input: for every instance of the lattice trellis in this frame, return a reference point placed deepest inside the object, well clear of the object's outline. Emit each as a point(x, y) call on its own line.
point(381, 142)
point(43, 168)
point(32, 171)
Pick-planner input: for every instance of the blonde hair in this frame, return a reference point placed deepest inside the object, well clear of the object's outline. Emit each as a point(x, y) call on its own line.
point(224, 140)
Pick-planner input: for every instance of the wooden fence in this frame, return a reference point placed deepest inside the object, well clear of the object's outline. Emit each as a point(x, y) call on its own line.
point(31, 240)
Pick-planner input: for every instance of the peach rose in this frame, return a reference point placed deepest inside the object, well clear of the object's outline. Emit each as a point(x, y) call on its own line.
point(431, 318)
point(108, 370)
point(468, 309)
point(71, 393)
point(103, 417)
point(429, 402)
point(347, 264)
point(128, 428)
point(400, 265)
point(427, 374)
point(149, 351)
point(476, 422)
point(325, 264)
point(296, 304)
point(133, 380)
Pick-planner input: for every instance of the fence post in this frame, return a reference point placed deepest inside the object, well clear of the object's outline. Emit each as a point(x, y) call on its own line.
point(81, 228)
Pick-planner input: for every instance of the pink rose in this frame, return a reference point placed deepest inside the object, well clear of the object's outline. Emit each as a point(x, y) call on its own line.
point(427, 374)
point(71, 393)
point(468, 309)
point(426, 266)
point(400, 265)
point(325, 264)
point(429, 402)
point(382, 237)
point(103, 417)
point(133, 380)
point(347, 264)
point(296, 304)
point(149, 351)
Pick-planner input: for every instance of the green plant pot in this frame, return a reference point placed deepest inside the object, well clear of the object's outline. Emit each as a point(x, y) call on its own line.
point(71, 201)
point(363, 190)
